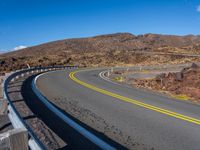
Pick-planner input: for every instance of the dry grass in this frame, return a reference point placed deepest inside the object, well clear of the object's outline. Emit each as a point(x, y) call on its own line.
point(107, 50)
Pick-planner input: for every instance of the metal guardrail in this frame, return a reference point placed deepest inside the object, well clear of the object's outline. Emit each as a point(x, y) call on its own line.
point(75, 126)
point(14, 116)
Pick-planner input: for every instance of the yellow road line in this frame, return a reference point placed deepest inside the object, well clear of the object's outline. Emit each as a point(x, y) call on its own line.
point(132, 101)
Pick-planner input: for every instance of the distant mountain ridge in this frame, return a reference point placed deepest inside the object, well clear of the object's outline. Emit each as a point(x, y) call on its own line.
point(118, 41)
point(110, 44)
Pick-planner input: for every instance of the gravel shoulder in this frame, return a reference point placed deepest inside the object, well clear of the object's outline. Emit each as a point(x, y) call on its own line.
point(24, 100)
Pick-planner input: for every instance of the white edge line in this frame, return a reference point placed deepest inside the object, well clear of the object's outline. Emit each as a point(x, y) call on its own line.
point(102, 75)
point(69, 121)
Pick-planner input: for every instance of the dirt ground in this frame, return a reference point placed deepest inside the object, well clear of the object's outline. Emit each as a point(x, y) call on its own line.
point(23, 101)
point(180, 82)
point(1, 81)
point(5, 124)
point(184, 84)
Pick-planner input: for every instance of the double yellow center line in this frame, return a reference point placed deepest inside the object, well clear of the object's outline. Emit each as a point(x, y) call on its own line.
point(135, 102)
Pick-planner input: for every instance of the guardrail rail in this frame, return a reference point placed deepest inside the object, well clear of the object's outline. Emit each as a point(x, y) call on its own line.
point(17, 121)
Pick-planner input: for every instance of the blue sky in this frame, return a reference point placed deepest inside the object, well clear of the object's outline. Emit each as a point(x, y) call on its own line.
point(31, 22)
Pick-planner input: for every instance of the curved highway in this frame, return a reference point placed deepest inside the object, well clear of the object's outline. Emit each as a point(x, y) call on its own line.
point(124, 116)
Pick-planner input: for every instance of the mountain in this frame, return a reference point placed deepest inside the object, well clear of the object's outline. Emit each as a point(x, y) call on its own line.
point(110, 49)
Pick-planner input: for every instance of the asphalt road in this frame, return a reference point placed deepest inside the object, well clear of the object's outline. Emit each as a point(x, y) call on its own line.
point(156, 122)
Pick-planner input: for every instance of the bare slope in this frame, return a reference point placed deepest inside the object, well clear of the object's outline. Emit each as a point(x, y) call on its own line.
point(112, 49)
point(183, 84)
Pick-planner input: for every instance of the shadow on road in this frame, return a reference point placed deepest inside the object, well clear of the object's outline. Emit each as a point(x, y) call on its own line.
point(71, 137)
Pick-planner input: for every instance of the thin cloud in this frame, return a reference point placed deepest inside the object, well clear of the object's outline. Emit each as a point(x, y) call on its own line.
point(19, 47)
point(2, 51)
point(198, 8)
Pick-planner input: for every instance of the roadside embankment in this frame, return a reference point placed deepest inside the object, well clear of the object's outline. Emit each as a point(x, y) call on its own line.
point(5, 124)
point(181, 83)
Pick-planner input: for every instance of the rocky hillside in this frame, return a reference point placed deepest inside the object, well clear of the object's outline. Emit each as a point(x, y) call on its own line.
point(185, 82)
point(112, 49)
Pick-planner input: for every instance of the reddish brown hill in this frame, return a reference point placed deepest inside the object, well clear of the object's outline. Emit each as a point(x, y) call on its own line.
point(112, 49)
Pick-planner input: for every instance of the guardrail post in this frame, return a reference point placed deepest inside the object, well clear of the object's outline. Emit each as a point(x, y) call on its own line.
point(22, 75)
point(108, 73)
point(111, 70)
point(16, 139)
point(17, 77)
point(4, 106)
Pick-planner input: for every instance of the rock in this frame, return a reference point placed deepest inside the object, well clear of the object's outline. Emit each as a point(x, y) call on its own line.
point(194, 66)
point(2, 62)
point(13, 59)
point(179, 76)
point(159, 77)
